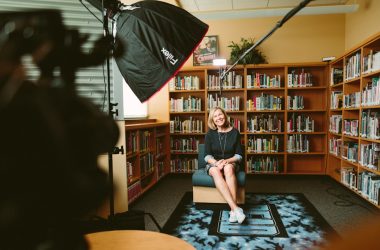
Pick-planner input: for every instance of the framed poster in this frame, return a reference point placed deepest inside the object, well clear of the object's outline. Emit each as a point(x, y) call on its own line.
point(206, 51)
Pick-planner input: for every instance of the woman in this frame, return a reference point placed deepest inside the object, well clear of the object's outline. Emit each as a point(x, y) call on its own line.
point(223, 155)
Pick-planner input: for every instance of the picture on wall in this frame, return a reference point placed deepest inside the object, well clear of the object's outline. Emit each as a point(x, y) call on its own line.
point(206, 51)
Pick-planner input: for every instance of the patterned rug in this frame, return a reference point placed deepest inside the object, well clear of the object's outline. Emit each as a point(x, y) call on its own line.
point(274, 221)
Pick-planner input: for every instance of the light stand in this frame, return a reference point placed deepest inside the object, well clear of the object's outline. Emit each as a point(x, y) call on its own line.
point(290, 14)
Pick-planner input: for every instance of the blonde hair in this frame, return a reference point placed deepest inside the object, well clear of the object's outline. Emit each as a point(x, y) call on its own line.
point(210, 121)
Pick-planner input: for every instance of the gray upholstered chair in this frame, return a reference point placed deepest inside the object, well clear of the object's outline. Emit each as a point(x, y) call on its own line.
point(204, 190)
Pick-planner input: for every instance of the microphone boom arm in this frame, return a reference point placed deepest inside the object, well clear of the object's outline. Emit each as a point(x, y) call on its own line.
point(290, 14)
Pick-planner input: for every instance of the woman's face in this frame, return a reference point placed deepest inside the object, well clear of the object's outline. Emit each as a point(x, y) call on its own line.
point(219, 118)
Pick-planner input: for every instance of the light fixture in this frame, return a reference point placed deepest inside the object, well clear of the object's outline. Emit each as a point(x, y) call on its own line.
point(219, 62)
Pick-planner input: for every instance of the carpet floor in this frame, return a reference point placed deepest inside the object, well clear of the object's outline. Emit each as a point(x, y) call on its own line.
point(274, 221)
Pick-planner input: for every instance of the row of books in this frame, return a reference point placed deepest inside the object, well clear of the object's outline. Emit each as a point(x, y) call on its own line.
point(190, 104)
point(298, 143)
point(300, 123)
point(295, 102)
point(131, 143)
point(231, 81)
point(371, 93)
point(335, 146)
point(336, 100)
point(335, 124)
point(369, 186)
point(264, 102)
point(228, 104)
point(371, 62)
point(263, 164)
point(190, 125)
point(351, 127)
point(264, 123)
point(349, 178)
point(302, 79)
point(349, 151)
point(269, 144)
point(145, 140)
point(336, 76)
point(184, 83)
point(259, 80)
point(184, 145)
point(352, 66)
point(369, 156)
point(236, 123)
point(146, 164)
point(183, 165)
point(351, 100)
point(160, 169)
point(370, 124)
point(134, 191)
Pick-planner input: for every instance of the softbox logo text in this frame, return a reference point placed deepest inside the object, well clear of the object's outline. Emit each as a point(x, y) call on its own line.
point(169, 56)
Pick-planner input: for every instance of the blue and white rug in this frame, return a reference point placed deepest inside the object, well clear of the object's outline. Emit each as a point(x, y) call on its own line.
point(274, 221)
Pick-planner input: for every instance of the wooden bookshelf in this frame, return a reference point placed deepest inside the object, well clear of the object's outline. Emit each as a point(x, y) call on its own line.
point(252, 84)
point(355, 164)
point(147, 156)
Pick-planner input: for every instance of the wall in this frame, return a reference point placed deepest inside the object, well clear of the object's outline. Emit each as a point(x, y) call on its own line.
point(301, 39)
point(363, 23)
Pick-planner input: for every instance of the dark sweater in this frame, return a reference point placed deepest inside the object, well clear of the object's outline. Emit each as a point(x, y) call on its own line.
point(230, 141)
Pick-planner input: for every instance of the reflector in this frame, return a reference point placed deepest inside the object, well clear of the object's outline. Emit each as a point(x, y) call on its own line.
point(158, 38)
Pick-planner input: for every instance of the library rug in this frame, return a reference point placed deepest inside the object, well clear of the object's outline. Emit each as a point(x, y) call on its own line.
point(274, 221)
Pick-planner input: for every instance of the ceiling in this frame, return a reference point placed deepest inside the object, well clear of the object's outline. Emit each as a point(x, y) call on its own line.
point(228, 9)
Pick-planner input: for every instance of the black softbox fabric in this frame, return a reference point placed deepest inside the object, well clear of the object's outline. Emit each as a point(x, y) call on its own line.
point(158, 38)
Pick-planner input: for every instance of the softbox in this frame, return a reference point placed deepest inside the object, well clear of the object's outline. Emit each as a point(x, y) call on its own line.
point(157, 38)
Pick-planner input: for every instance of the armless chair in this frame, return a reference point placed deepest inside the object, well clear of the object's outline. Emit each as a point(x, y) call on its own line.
point(204, 190)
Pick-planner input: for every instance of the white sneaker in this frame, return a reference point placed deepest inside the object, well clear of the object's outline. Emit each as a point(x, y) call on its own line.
point(240, 216)
point(232, 218)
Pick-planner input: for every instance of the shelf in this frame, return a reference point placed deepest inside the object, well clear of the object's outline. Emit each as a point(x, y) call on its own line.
point(371, 74)
point(264, 89)
point(306, 133)
point(187, 113)
point(192, 134)
point(336, 134)
point(187, 90)
point(265, 133)
point(265, 153)
point(369, 140)
point(371, 107)
point(225, 90)
point(307, 110)
point(337, 85)
point(350, 162)
point(336, 156)
point(183, 153)
point(307, 88)
point(336, 110)
point(354, 109)
point(351, 137)
point(352, 80)
point(306, 153)
point(370, 169)
point(262, 111)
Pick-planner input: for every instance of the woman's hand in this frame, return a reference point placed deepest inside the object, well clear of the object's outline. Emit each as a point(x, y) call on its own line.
point(221, 163)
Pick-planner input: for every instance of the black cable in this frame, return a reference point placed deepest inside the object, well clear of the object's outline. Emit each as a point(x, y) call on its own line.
point(90, 11)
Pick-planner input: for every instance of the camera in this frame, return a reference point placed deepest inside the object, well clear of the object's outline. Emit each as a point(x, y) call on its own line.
point(50, 137)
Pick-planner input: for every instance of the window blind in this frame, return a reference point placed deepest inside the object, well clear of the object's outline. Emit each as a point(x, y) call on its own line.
point(90, 82)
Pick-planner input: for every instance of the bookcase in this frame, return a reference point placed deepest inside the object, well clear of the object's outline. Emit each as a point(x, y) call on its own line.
point(147, 156)
point(354, 111)
point(280, 110)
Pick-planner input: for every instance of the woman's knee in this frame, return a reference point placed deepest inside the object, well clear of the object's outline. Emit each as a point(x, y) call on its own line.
point(229, 170)
point(214, 172)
